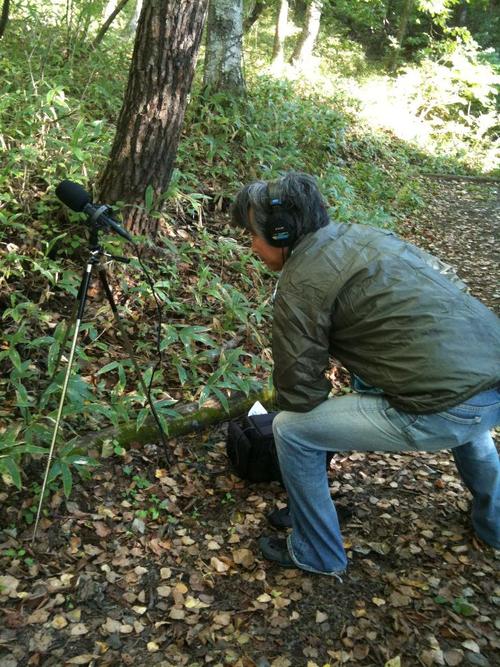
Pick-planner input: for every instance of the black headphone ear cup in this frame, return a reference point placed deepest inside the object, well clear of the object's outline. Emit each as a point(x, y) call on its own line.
point(278, 227)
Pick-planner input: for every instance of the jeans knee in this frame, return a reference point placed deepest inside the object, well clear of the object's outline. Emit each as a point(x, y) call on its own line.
point(282, 428)
point(278, 423)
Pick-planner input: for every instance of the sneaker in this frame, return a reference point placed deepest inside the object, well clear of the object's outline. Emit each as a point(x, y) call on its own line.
point(281, 518)
point(275, 549)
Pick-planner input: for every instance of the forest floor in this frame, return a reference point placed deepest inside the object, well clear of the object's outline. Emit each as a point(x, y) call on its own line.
point(182, 582)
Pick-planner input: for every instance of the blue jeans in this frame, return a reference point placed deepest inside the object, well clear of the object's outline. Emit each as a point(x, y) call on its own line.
point(366, 422)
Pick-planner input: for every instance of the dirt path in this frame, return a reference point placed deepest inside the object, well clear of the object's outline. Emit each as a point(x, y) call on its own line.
point(462, 227)
point(161, 567)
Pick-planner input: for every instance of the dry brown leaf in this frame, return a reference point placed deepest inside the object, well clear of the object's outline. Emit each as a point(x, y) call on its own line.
point(101, 528)
point(218, 565)
point(82, 659)
point(78, 629)
point(38, 616)
point(59, 621)
point(244, 557)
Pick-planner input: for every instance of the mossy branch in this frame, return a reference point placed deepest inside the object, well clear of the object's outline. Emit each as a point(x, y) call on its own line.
point(191, 418)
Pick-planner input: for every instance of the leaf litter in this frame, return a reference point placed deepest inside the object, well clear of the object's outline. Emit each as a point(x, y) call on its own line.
point(167, 572)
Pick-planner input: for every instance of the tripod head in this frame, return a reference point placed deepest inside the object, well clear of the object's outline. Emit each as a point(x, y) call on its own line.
point(78, 199)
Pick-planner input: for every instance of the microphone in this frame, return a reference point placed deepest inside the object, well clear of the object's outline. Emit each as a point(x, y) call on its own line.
point(75, 197)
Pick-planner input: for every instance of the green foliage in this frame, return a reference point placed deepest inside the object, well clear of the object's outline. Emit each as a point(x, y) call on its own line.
point(58, 111)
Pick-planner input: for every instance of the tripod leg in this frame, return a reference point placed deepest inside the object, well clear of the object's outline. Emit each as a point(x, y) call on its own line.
point(128, 346)
point(69, 326)
point(82, 297)
point(126, 340)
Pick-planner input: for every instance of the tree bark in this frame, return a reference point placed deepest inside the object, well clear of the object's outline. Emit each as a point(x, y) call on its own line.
point(304, 47)
point(280, 34)
point(105, 26)
point(4, 17)
point(223, 56)
point(150, 121)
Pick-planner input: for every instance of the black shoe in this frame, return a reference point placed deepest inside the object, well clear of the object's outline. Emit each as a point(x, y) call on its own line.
point(275, 549)
point(281, 519)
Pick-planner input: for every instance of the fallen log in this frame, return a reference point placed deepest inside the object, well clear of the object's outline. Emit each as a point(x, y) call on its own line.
point(191, 418)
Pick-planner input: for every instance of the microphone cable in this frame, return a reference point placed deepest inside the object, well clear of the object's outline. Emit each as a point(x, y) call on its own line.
point(159, 353)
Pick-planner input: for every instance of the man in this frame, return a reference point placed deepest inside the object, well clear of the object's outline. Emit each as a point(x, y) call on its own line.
point(424, 356)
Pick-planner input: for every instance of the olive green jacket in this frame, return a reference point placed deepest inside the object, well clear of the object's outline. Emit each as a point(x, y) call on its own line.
point(388, 312)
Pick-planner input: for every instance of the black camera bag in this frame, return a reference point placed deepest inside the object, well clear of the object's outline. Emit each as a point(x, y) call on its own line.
point(251, 449)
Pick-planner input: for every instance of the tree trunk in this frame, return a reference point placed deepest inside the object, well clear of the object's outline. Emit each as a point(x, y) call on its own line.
point(4, 17)
point(223, 55)
point(105, 27)
point(150, 121)
point(280, 34)
point(304, 47)
point(134, 19)
point(253, 14)
point(402, 30)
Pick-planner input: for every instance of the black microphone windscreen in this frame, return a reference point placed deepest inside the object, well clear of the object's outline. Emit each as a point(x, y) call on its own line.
point(73, 195)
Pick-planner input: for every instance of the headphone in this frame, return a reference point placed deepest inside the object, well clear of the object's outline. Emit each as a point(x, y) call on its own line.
point(279, 224)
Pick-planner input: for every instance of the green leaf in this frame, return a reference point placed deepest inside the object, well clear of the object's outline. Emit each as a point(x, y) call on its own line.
point(67, 479)
point(463, 607)
point(148, 198)
point(13, 470)
point(141, 417)
point(108, 367)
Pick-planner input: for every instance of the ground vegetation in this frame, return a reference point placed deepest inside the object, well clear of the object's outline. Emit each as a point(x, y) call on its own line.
point(136, 562)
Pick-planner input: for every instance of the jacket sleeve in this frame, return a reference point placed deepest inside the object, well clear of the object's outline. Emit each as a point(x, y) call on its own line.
point(301, 332)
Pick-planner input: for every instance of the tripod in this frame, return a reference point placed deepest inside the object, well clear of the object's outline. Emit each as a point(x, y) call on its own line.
point(96, 253)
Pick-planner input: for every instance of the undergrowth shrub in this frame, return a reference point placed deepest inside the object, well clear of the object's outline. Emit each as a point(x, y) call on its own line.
point(58, 107)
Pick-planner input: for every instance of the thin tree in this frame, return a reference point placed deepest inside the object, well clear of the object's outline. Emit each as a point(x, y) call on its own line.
point(280, 34)
point(223, 55)
point(107, 23)
point(4, 17)
point(307, 39)
point(255, 11)
point(150, 121)
point(401, 33)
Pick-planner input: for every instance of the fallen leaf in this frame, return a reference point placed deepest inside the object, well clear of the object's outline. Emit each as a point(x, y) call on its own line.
point(38, 616)
point(152, 647)
point(82, 659)
point(8, 585)
point(394, 662)
point(244, 557)
point(59, 621)
point(111, 626)
point(218, 565)
point(222, 618)
point(164, 591)
point(378, 601)
point(471, 645)
point(453, 657)
point(101, 529)
point(177, 614)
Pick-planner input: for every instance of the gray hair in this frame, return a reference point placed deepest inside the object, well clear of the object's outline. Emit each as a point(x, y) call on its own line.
point(297, 193)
